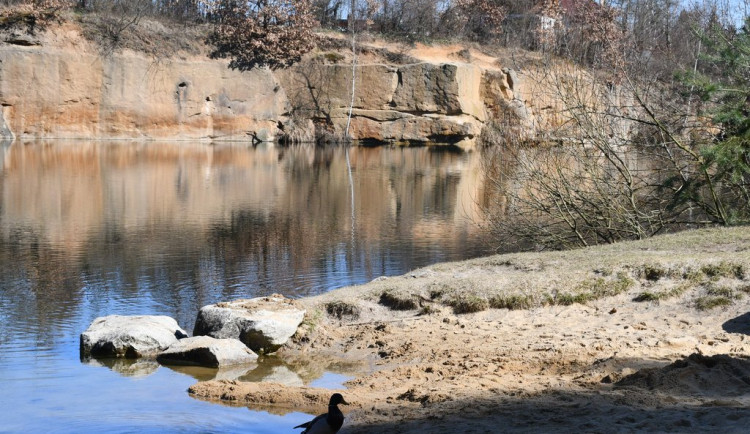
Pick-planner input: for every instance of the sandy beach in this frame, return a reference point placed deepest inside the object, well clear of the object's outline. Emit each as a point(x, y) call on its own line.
point(641, 336)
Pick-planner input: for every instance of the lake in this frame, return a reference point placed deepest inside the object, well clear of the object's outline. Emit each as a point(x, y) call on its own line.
point(89, 229)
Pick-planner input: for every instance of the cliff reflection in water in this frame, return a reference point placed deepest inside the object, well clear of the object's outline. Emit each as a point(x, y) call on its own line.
point(96, 228)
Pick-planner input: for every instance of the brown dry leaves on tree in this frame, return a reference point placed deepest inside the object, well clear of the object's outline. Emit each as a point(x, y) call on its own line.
point(273, 33)
point(481, 18)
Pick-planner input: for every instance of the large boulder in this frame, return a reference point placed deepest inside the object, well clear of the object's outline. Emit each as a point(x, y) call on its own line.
point(130, 336)
point(263, 324)
point(207, 351)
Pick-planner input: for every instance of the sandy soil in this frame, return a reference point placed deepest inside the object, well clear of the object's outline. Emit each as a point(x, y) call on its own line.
point(612, 364)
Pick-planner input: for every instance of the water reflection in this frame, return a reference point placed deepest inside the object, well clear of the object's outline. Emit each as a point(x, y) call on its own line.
point(94, 228)
point(322, 372)
point(172, 227)
point(200, 373)
point(126, 367)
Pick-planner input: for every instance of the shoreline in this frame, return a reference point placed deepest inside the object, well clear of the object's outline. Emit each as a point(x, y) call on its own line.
point(603, 363)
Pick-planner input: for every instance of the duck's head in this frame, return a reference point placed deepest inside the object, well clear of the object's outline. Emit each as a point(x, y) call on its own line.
point(337, 399)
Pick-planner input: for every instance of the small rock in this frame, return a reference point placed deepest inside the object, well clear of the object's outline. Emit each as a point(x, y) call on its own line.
point(129, 336)
point(613, 311)
point(207, 351)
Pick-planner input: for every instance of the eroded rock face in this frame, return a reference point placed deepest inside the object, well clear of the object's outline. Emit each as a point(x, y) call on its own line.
point(55, 89)
point(76, 93)
point(423, 102)
point(264, 324)
point(129, 336)
point(207, 351)
point(447, 88)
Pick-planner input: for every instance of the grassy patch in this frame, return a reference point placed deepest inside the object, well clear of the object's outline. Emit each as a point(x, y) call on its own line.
point(663, 295)
point(608, 288)
point(721, 291)
point(693, 275)
point(468, 304)
point(428, 310)
point(593, 289)
point(342, 309)
point(654, 272)
point(724, 269)
point(650, 296)
point(397, 301)
point(333, 57)
point(511, 302)
point(436, 294)
point(566, 299)
point(710, 302)
point(311, 320)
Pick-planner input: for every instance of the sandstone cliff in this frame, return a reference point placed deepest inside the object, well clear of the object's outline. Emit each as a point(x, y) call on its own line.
point(60, 86)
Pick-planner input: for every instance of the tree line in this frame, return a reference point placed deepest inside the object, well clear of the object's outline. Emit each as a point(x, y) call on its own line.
point(597, 33)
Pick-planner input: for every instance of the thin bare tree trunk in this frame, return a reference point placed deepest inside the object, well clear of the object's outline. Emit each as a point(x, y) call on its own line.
point(354, 69)
point(351, 107)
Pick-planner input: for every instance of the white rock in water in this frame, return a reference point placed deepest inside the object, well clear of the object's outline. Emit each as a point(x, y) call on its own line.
point(263, 324)
point(207, 351)
point(130, 336)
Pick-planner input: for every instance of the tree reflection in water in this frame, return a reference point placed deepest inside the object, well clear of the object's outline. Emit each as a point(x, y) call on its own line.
point(93, 228)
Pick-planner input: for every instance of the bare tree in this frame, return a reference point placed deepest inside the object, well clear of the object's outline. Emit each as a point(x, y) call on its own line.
point(623, 162)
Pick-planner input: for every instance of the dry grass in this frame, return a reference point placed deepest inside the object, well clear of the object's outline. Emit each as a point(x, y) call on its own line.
point(511, 302)
point(159, 39)
point(665, 294)
point(701, 269)
point(398, 301)
point(468, 303)
point(710, 302)
point(341, 309)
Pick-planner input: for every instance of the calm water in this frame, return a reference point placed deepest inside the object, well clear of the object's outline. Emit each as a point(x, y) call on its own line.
point(92, 228)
